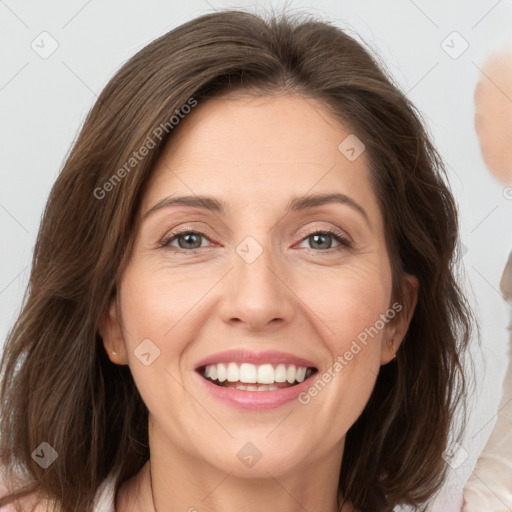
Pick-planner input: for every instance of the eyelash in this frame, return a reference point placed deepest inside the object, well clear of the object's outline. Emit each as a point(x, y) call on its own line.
point(344, 242)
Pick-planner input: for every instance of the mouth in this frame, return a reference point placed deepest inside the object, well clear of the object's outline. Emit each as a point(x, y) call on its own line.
point(252, 377)
point(255, 381)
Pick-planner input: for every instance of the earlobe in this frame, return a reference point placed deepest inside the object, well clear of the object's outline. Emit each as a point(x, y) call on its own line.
point(112, 335)
point(389, 350)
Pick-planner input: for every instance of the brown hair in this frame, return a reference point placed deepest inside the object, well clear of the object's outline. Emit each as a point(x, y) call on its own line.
point(58, 384)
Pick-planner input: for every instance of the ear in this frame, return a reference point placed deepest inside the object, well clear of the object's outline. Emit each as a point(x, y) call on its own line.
point(398, 326)
point(112, 334)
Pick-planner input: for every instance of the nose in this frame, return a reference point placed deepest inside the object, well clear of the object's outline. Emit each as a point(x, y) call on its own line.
point(257, 294)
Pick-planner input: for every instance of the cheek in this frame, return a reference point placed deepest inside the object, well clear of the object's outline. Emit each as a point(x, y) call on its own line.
point(157, 304)
point(353, 310)
point(349, 302)
point(155, 310)
point(353, 329)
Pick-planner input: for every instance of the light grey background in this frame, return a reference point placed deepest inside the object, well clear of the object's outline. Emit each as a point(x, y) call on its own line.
point(44, 101)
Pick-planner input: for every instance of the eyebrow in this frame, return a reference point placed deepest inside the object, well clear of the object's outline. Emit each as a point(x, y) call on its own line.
point(295, 204)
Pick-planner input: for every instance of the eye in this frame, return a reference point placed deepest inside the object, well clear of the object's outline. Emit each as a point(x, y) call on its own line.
point(323, 240)
point(188, 241)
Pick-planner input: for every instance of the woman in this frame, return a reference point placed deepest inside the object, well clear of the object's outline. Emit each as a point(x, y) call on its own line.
point(242, 293)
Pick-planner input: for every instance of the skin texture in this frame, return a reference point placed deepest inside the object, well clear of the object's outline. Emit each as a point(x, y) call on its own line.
point(493, 115)
point(255, 154)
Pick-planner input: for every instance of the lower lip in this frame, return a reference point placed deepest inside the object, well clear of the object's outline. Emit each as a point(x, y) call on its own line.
point(255, 400)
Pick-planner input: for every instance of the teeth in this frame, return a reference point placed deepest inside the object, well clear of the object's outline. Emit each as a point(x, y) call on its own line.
point(280, 373)
point(261, 387)
point(290, 374)
point(301, 374)
point(221, 372)
point(248, 373)
point(265, 374)
point(233, 372)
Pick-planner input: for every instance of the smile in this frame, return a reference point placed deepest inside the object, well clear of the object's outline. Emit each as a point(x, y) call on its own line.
point(232, 376)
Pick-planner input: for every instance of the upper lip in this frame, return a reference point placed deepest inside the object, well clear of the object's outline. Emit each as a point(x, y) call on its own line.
point(256, 358)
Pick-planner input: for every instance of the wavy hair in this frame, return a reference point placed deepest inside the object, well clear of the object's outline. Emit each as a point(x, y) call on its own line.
point(58, 384)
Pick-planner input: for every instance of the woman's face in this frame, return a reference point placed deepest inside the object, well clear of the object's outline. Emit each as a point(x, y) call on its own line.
point(254, 279)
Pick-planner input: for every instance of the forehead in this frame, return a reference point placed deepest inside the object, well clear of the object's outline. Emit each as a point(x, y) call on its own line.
point(268, 149)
